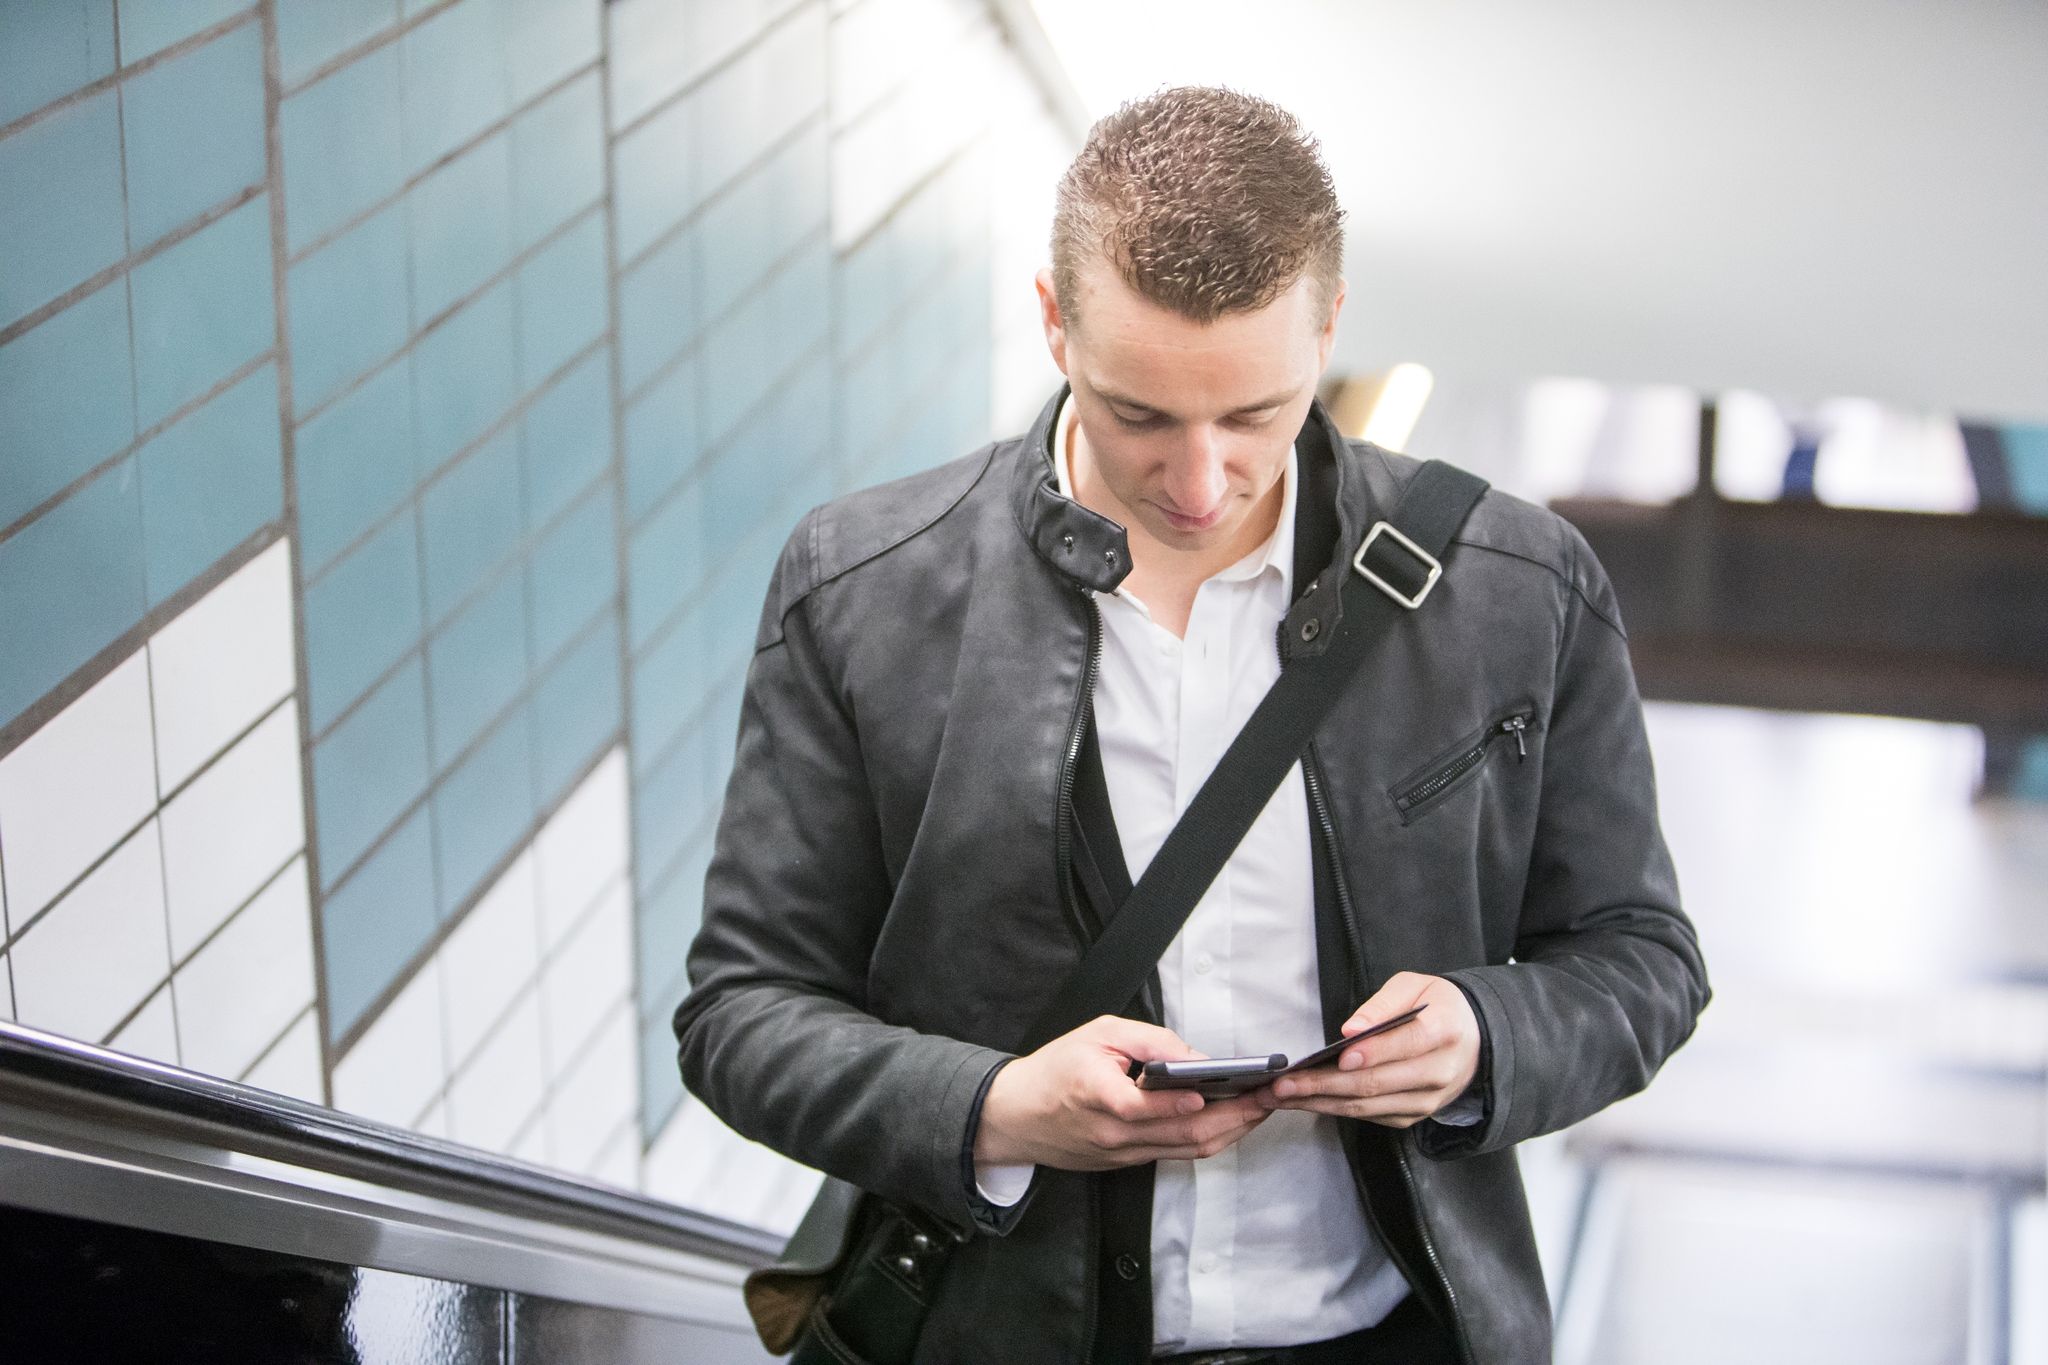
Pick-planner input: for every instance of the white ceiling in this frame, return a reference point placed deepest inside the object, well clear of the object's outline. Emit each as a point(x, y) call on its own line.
point(1810, 199)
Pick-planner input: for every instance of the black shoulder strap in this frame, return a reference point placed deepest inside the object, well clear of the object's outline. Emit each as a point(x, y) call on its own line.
point(1395, 568)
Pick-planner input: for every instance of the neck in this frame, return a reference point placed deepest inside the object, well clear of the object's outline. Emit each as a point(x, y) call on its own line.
point(1166, 577)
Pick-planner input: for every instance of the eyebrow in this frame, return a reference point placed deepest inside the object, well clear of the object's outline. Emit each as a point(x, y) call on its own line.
point(1275, 401)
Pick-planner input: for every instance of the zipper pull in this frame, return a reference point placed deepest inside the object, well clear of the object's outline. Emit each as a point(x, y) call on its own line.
point(1515, 725)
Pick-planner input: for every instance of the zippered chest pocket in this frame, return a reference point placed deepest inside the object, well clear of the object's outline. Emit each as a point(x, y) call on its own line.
point(1422, 790)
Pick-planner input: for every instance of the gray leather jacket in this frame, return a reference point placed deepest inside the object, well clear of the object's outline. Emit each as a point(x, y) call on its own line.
point(889, 902)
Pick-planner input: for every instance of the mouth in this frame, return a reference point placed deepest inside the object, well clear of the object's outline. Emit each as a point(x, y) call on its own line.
point(1182, 522)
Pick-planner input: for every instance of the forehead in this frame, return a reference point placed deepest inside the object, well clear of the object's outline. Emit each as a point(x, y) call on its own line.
point(1128, 346)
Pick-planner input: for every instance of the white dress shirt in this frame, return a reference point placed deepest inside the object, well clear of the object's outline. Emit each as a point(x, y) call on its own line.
point(1265, 1243)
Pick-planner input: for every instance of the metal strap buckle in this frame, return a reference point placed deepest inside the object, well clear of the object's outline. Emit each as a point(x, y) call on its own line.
point(1436, 570)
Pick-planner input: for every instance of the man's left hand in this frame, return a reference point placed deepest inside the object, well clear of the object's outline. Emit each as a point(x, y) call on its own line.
point(1402, 1076)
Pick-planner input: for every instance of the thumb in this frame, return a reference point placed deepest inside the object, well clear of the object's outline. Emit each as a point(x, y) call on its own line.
point(1140, 1041)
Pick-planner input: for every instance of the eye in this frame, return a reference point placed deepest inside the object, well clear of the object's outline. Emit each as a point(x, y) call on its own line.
point(1145, 423)
point(1252, 421)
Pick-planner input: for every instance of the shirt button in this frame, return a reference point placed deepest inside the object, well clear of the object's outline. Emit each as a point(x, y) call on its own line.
point(1203, 962)
point(1206, 1266)
point(1127, 1266)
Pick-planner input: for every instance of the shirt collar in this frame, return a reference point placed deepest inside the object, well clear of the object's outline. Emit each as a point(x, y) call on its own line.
point(1277, 554)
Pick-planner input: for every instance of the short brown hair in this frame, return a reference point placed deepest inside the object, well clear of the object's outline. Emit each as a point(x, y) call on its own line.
point(1203, 200)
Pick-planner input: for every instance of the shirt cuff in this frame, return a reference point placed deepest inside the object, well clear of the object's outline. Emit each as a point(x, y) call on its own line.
point(997, 1206)
point(1003, 1183)
point(1462, 1112)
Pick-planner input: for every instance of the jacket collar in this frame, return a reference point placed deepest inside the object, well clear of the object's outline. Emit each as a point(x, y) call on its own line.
point(1338, 489)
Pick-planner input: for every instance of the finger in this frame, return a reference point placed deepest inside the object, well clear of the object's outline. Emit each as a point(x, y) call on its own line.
point(1394, 1111)
point(1429, 1072)
point(1122, 1097)
point(1181, 1151)
point(1220, 1116)
point(1137, 1040)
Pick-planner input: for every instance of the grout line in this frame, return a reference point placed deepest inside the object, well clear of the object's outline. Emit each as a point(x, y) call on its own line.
point(131, 259)
point(783, 142)
point(134, 447)
point(441, 319)
point(498, 427)
point(425, 954)
point(493, 576)
point(87, 675)
point(310, 1007)
point(703, 78)
point(120, 74)
point(186, 784)
point(499, 126)
point(163, 860)
point(349, 56)
point(270, 879)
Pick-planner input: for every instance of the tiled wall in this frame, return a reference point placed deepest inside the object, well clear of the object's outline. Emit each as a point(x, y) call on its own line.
point(401, 406)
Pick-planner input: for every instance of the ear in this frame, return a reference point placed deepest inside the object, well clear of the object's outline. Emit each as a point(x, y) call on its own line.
point(1049, 316)
point(1328, 337)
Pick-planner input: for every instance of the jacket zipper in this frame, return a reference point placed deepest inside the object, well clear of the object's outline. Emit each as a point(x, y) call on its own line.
point(1063, 811)
point(1447, 776)
point(1313, 781)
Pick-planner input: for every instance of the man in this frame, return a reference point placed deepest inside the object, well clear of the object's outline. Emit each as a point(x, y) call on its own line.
point(895, 891)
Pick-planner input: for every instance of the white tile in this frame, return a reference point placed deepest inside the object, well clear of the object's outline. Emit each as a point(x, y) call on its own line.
point(588, 974)
point(232, 828)
point(619, 1163)
point(596, 1096)
point(253, 978)
point(74, 787)
point(490, 957)
point(582, 847)
point(434, 1123)
point(689, 1158)
point(100, 951)
point(222, 663)
point(491, 1098)
point(397, 1066)
point(532, 1142)
point(153, 1033)
point(293, 1066)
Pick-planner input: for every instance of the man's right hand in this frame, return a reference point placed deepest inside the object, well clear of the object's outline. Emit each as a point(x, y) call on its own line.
point(1072, 1105)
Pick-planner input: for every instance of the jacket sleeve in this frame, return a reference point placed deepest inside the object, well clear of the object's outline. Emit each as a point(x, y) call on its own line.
point(1607, 979)
point(775, 1036)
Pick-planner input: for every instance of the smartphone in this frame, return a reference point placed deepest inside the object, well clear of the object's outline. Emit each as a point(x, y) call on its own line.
point(1221, 1077)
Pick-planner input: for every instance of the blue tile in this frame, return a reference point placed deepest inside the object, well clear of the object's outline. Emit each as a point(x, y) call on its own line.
point(746, 354)
point(342, 147)
point(66, 399)
point(476, 666)
point(545, 40)
point(48, 48)
point(150, 26)
point(745, 108)
point(348, 308)
point(758, 221)
point(557, 159)
point(672, 801)
point(574, 571)
point(355, 464)
point(661, 1081)
point(483, 808)
point(464, 375)
point(576, 708)
point(566, 438)
point(666, 561)
point(563, 299)
point(202, 309)
point(658, 313)
point(460, 235)
point(372, 925)
point(471, 519)
point(671, 681)
point(361, 619)
point(454, 80)
point(310, 32)
point(866, 290)
point(72, 582)
point(60, 204)
point(661, 438)
point(2026, 458)
point(655, 184)
point(210, 482)
point(370, 769)
point(194, 130)
point(651, 47)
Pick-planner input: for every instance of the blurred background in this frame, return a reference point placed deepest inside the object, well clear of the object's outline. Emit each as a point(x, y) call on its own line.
point(401, 407)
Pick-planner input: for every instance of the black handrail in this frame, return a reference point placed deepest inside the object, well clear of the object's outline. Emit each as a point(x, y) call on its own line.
point(74, 1076)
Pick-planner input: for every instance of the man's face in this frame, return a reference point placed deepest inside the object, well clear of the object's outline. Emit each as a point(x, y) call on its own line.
point(1188, 424)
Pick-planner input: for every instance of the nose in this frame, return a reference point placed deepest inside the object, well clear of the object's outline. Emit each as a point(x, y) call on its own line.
point(1194, 479)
